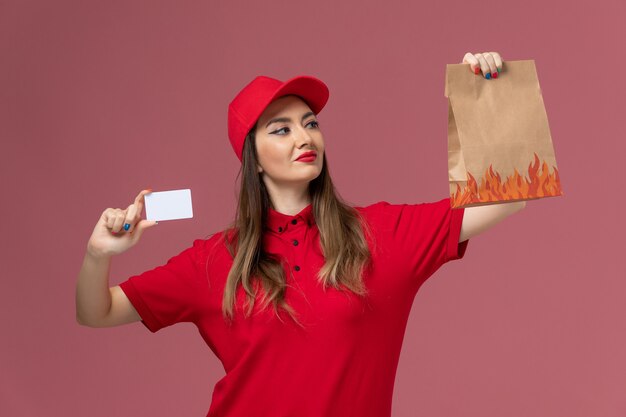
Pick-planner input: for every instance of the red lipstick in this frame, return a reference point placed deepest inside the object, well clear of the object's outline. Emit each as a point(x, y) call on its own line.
point(307, 157)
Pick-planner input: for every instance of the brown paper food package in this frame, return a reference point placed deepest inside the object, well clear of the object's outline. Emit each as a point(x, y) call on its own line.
point(499, 144)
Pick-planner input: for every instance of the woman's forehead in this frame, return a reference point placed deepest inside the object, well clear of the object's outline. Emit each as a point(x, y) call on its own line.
point(282, 104)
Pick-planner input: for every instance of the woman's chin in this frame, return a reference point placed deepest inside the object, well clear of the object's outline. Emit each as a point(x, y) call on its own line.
point(307, 177)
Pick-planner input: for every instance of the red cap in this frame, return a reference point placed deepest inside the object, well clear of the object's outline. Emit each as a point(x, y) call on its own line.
point(251, 101)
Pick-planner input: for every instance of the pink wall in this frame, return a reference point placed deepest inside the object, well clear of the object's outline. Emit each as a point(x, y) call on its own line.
point(102, 99)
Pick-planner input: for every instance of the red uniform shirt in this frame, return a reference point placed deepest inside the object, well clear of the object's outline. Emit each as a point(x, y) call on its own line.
point(344, 363)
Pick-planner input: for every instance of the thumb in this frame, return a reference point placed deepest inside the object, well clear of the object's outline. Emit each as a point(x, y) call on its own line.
point(143, 225)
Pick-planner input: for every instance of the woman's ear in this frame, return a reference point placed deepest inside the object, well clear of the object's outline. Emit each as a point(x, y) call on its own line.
point(259, 169)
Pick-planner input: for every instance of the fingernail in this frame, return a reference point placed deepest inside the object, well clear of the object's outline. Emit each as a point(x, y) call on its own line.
point(488, 76)
point(499, 70)
point(126, 226)
point(476, 70)
point(495, 74)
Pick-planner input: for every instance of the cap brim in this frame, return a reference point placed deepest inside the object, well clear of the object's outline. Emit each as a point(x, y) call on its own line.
point(310, 89)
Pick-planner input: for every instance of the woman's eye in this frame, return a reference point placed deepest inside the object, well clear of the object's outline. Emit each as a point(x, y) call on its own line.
point(316, 124)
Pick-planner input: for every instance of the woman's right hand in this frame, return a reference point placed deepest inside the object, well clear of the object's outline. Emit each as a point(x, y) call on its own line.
point(109, 237)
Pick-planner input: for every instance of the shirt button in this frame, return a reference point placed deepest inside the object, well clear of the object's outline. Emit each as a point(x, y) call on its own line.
point(280, 229)
point(295, 243)
point(297, 268)
point(294, 221)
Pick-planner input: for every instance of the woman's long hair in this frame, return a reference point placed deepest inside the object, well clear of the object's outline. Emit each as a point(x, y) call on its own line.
point(341, 230)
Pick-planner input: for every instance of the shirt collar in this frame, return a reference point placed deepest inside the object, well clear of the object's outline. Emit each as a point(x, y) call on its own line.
point(279, 222)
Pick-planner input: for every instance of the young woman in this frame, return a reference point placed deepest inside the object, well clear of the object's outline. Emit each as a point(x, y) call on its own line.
point(303, 298)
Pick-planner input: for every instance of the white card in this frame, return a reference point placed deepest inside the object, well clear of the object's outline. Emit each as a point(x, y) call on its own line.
point(168, 205)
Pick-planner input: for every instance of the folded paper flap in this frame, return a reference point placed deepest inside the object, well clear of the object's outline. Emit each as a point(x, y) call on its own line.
point(456, 161)
point(456, 166)
point(461, 80)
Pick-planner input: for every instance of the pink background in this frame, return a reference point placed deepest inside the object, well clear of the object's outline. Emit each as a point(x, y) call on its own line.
point(102, 99)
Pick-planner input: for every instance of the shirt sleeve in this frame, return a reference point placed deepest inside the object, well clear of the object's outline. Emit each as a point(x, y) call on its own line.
point(169, 293)
point(425, 235)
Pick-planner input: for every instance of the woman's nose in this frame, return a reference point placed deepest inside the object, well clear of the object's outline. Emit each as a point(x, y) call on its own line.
point(303, 136)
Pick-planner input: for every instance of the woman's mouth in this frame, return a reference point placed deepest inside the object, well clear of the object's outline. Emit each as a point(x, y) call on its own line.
point(307, 157)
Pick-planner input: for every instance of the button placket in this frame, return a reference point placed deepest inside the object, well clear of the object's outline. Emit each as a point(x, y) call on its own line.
point(291, 232)
point(296, 242)
point(287, 235)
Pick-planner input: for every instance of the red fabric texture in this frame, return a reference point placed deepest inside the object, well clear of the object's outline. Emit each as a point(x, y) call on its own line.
point(344, 362)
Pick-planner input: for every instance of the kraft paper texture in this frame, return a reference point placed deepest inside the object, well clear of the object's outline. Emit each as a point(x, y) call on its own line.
point(499, 144)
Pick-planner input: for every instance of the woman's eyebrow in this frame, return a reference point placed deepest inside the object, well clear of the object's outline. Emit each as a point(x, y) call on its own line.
point(287, 119)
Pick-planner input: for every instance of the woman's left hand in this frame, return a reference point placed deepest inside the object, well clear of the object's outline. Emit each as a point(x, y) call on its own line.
point(490, 63)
